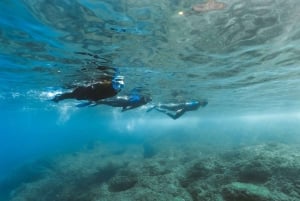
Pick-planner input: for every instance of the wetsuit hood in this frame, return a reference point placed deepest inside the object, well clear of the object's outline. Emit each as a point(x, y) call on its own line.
point(118, 83)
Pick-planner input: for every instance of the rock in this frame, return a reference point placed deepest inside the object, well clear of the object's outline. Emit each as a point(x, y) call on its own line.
point(237, 191)
point(200, 170)
point(255, 172)
point(202, 191)
point(122, 183)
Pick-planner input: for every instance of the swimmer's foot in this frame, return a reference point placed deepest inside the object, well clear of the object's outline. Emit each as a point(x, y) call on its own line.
point(151, 108)
point(56, 99)
point(210, 5)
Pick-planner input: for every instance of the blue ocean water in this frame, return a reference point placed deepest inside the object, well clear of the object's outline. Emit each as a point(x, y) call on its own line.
point(244, 60)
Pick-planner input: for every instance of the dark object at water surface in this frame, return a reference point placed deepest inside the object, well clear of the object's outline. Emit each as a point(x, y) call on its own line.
point(210, 5)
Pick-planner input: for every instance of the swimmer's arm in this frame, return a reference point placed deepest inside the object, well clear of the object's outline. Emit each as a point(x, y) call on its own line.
point(125, 108)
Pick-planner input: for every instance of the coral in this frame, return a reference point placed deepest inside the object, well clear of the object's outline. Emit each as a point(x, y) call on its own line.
point(266, 172)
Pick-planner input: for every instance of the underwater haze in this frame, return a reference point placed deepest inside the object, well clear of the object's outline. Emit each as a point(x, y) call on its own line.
point(243, 58)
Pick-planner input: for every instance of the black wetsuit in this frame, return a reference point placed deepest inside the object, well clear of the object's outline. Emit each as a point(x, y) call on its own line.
point(126, 102)
point(92, 92)
point(176, 110)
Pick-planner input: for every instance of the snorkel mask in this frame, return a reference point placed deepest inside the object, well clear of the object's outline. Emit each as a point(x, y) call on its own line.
point(192, 103)
point(196, 103)
point(118, 82)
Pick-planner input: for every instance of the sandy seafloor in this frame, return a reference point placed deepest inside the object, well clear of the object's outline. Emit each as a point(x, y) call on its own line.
point(169, 167)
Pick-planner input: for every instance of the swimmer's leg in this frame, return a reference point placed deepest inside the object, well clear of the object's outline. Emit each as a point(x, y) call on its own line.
point(125, 108)
point(151, 108)
point(169, 113)
point(84, 104)
point(175, 116)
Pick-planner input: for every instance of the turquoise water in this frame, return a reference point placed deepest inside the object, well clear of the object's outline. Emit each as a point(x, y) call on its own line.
point(244, 60)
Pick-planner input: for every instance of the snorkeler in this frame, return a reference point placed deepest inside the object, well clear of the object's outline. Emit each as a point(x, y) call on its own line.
point(176, 110)
point(126, 102)
point(103, 89)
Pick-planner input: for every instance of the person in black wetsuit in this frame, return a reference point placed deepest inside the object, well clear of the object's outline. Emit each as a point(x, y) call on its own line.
point(100, 90)
point(126, 102)
point(176, 110)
